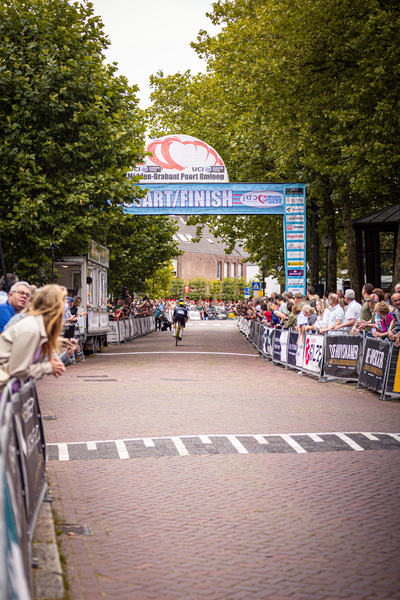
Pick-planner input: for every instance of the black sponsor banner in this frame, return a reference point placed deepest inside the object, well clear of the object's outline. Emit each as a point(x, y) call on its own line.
point(374, 364)
point(277, 345)
point(292, 348)
point(342, 356)
point(32, 447)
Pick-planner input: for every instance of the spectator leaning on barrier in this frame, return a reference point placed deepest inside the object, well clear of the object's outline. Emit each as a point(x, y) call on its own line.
point(323, 314)
point(294, 310)
point(366, 313)
point(371, 324)
point(383, 319)
point(24, 345)
point(353, 311)
point(18, 298)
point(394, 329)
point(336, 316)
point(11, 279)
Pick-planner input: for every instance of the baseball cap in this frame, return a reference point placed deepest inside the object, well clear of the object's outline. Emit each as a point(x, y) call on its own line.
point(70, 299)
point(373, 298)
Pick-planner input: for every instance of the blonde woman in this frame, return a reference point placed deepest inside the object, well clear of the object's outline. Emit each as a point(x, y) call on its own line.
point(322, 315)
point(25, 345)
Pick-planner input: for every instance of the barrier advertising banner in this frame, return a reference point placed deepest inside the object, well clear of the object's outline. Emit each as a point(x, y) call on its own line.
point(342, 357)
point(292, 348)
point(280, 346)
point(374, 364)
point(313, 353)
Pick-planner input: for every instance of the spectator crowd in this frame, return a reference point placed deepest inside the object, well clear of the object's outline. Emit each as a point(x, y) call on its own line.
point(378, 315)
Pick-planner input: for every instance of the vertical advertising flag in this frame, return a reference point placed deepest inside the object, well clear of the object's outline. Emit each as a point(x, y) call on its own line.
point(294, 231)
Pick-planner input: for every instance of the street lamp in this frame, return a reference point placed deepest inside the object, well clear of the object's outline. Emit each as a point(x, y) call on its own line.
point(327, 241)
point(263, 261)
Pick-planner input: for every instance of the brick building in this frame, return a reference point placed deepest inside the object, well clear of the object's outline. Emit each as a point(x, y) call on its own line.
point(207, 258)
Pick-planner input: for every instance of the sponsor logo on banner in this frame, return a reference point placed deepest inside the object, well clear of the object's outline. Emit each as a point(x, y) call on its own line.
point(262, 199)
point(295, 282)
point(295, 200)
point(295, 273)
point(295, 218)
point(295, 209)
point(313, 353)
point(295, 246)
point(374, 364)
point(342, 356)
point(294, 190)
point(296, 290)
point(295, 254)
point(295, 236)
point(296, 263)
point(294, 227)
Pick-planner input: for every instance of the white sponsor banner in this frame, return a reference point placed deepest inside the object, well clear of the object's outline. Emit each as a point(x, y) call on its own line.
point(294, 200)
point(295, 246)
point(295, 227)
point(295, 254)
point(295, 236)
point(296, 282)
point(294, 218)
point(295, 209)
point(300, 352)
point(296, 290)
point(313, 353)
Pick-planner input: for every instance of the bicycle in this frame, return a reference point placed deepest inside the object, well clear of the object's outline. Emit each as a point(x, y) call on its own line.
point(177, 333)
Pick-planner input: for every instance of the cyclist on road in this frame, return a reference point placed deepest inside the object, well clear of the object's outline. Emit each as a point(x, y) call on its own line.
point(180, 316)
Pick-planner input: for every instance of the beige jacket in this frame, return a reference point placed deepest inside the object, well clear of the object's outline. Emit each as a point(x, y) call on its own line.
point(18, 345)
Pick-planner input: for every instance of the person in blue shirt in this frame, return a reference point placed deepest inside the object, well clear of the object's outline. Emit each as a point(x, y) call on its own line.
point(18, 298)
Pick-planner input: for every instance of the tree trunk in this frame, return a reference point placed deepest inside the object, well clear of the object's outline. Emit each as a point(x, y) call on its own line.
point(329, 211)
point(396, 272)
point(350, 244)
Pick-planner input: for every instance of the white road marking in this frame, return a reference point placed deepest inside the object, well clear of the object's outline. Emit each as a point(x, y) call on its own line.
point(260, 439)
point(179, 445)
point(91, 445)
point(238, 445)
point(63, 453)
point(180, 352)
point(204, 439)
point(350, 442)
point(148, 442)
point(369, 436)
point(293, 443)
point(315, 437)
point(396, 436)
point(121, 449)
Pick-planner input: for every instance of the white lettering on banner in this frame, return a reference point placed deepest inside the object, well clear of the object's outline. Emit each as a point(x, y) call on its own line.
point(374, 358)
point(313, 353)
point(216, 198)
point(158, 199)
point(183, 198)
point(348, 352)
point(168, 195)
point(27, 409)
point(198, 199)
point(208, 200)
point(147, 201)
point(32, 440)
point(175, 200)
point(226, 198)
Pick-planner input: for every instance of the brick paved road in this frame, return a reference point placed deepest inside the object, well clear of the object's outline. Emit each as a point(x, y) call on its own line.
point(269, 524)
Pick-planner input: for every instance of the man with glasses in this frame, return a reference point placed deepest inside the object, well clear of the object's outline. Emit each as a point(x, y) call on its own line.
point(394, 329)
point(18, 298)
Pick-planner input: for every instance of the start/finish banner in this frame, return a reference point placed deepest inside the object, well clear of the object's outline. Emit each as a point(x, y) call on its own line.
point(220, 198)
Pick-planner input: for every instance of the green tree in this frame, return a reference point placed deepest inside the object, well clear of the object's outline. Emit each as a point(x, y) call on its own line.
point(215, 289)
point(230, 288)
point(198, 288)
point(70, 130)
point(159, 285)
point(176, 290)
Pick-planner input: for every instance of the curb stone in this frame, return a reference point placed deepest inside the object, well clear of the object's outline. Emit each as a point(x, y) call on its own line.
point(48, 577)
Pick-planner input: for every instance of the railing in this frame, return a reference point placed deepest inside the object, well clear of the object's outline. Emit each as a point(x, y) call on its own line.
point(129, 329)
point(372, 363)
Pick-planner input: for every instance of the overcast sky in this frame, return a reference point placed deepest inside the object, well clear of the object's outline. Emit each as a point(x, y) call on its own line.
point(148, 37)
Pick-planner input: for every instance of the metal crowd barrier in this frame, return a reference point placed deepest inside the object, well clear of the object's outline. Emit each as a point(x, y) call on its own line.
point(24, 485)
point(372, 363)
point(129, 329)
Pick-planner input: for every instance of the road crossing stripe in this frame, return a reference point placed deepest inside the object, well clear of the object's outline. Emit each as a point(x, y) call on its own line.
point(369, 436)
point(260, 439)
point(350, 442)
point(179, 445)
point(91, 445)
point(205, 439)
point(148, 442)
point(63, 453)
point(121, 449)
point(315, 437)
point(294, 444)
point(396, 436)
point(176, 353)
point(236, 444)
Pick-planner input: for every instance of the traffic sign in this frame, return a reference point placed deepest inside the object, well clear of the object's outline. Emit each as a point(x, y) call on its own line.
point(247, 292)
point(256, 286)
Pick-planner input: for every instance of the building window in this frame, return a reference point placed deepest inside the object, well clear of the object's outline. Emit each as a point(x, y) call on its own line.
point(240, 270)
point(218, 270)
point(233, 269)
point(226, 269)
